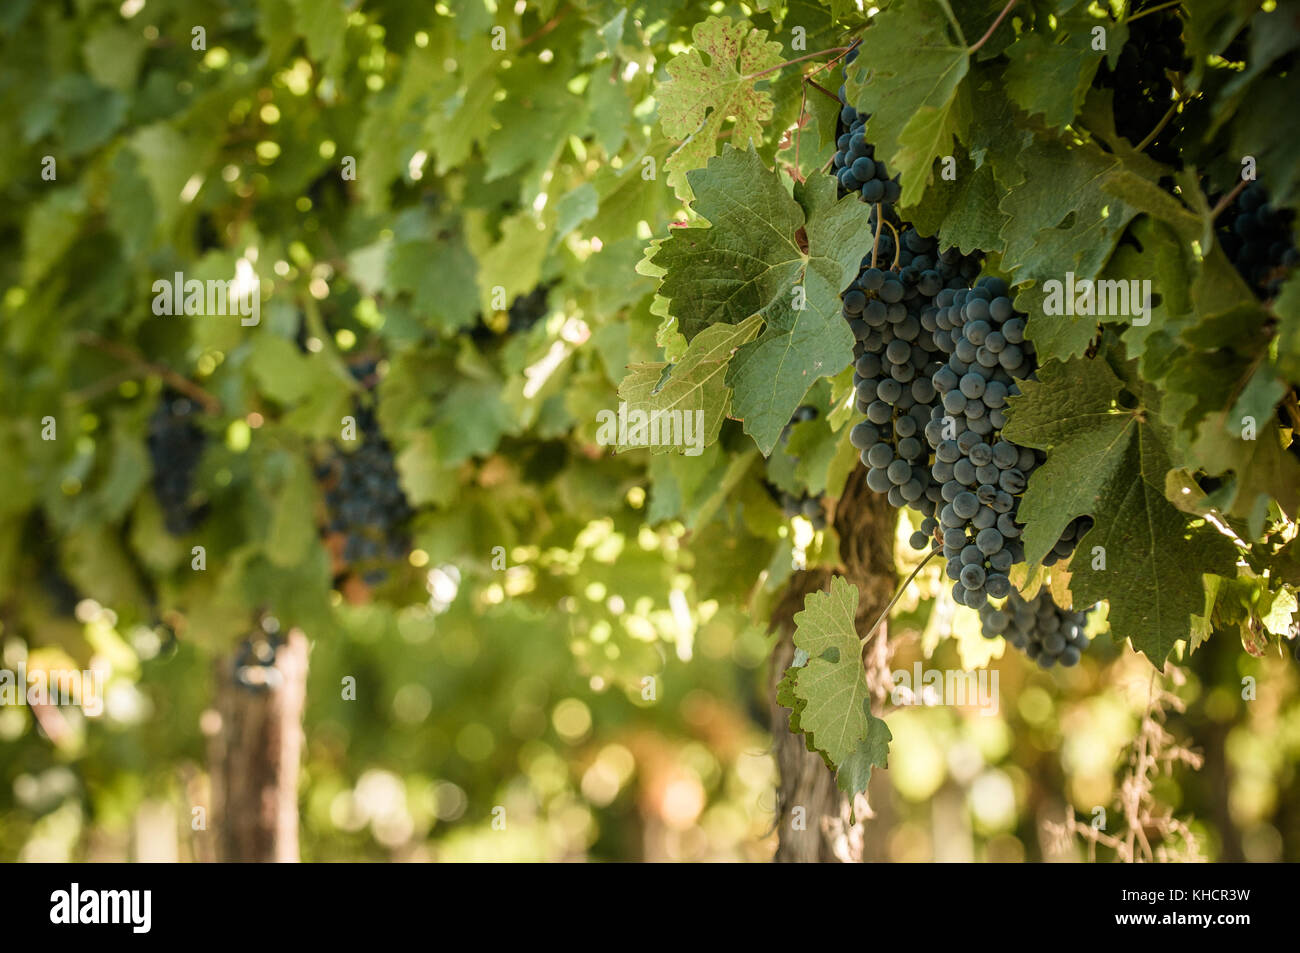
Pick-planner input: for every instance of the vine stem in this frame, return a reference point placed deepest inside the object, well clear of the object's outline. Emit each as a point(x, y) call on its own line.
point(881, 220)
point(545, 29)
point(838, 56)
point(875, 246)
point(131, 356)
point(798, 130)
point(1228, 199)
point(1164, 121)
point(103, 386)
point(1144, 763)
point(797, 59)
point(898, 595)
point(803, 102)
point(816, 85)
point(989, 32)
point(1292, 410)
point(1156, 9)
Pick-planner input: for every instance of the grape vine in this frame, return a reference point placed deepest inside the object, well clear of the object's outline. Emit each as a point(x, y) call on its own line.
point(1043, 366)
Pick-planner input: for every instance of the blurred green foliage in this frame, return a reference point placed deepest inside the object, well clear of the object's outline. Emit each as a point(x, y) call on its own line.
point(604, 684)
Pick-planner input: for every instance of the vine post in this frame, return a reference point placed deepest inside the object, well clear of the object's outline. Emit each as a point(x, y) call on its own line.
point(255, 758)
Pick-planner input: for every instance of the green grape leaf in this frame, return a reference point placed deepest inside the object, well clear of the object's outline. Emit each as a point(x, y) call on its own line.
point(466, 117)
point(315, 395)
point(113, 55)
point(771, 375)
point(961, 207)
point(625, 198)
point(97, 561)
point(746, 260)
point(836, 714)
point(1062, 219)
point(787, 697)
point(962, 211)
point(424, 476)
point(514, 262)
point(52, 226)
point(728, 563)
point(1108, 456)
point(750, 261)
point(1161, 255)
point(322, 24)
point(1277, 610)
point(908, 77)
point(406, 119)
point(1058, 215)
point(1287, 308)
point(815, 447)
point(472, 416)
point(292, 530)
point(695, 384)
point(676, 482)
point(440, 278)
point(1050, 71)
point(854, 773)
point(1262, 467)
point(1203, 623)
point(534, 119)
point(167, 160)
point(700, 97)
point(574, 208)
point(1254, 130)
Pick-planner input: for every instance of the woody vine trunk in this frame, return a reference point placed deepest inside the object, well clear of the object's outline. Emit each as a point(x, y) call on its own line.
point(255, 759)
point(812, 813)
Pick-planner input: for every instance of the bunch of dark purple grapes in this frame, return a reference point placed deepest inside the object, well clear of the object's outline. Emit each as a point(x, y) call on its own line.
point(1257, 238)
point(1141, 80)
point(175, 444)
point(934, 363)
point(855, 164)
point(810, 506)
point(364, 497)
point(981, 476)
point(893, 317)
point(524, 312)
point(1039, 627)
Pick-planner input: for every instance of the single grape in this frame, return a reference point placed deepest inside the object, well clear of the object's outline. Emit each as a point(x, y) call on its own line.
point(972, 576)
point(880, 455)
point(899, 472)
point(989, 541)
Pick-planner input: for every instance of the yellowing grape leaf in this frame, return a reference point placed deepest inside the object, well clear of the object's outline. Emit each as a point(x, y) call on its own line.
point(701, 96)
point(696, 383)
